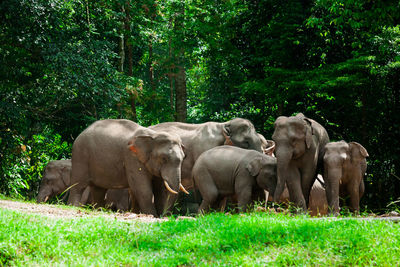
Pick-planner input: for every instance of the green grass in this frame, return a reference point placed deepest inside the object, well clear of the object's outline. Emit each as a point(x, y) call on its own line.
point(211, 240)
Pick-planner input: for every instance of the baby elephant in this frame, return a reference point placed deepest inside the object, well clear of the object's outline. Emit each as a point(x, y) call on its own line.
point(229, 170)
point(345, 165)
point(56, 179)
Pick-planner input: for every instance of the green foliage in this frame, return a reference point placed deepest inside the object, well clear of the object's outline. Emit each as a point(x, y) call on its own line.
point(23, 161)
point(247, 239)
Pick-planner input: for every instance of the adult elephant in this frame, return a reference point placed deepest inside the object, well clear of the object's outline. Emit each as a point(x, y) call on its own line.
point(344, 167)
point(198, 138)
point(299, 150)
point(112, 154)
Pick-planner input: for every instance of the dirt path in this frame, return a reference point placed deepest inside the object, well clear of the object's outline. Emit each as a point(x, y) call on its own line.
point(58, 211)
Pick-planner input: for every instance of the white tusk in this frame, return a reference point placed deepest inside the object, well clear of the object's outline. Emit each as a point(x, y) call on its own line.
point(169, 188)
point(46, 198)
point(183, 189)
point(270, 150)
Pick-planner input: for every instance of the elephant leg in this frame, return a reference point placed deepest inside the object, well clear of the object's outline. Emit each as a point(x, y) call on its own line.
point(133, 205)
point(86, 195)
point(98, 196)
point(141, 187)
point(308, 177)
point(208, 190)
point(295, 189)
point(222, 204)
point(79, 182)
point(354, 197)
point(207, 202)
point(209, 198)
point(244, 198)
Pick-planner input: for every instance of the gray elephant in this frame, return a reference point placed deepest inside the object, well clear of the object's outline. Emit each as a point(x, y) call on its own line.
point(113, 154)
point(198, 138)
point(56, 179)
point(317, 205)
point(344, 167)
point(119, 200)
point(299, 149)
point(229, 170)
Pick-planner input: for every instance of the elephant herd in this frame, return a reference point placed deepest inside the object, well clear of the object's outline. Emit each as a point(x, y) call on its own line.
point(130, 167)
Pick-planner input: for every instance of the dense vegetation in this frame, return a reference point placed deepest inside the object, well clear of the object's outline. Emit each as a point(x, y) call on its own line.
point(251, 239)
point(65, 64)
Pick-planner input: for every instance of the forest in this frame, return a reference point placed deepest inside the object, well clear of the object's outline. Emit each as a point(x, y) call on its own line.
point(65, 64)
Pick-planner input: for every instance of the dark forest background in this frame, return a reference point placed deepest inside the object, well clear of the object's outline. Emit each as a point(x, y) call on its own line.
point(65, 64)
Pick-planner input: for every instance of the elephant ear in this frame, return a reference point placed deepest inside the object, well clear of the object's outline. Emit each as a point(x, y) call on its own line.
point(226, 131)
point(141, 146)
point(356, 148)
point(66, 175)
point(309, 131)
point(254, 166)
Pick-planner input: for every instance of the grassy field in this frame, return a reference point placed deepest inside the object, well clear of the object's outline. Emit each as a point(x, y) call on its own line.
point(216, 239)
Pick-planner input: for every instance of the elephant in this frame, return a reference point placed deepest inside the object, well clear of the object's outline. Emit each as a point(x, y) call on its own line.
point(228, 170)
point(344, 167)
point(299, 150)
point(198, 138)
point(56, 179)
point(115, 154)
point(119, 200)
point(318, 205)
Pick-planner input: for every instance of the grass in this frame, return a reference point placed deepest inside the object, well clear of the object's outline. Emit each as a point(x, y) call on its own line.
point(216, 239)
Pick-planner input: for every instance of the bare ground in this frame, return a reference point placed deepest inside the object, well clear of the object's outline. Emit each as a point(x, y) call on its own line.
point(59, 211)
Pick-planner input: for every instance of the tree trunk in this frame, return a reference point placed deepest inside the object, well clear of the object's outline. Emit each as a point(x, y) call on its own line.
point(170, 75)
point(127, 26)
point(121, 46)
point(180, 78)
point(181, 95)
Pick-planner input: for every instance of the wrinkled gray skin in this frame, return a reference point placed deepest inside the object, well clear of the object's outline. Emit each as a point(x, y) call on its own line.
point(198, 138)
point(299, 149)
point(229, 170)
point(344, 167)
point(115, 154)
point(55, 180)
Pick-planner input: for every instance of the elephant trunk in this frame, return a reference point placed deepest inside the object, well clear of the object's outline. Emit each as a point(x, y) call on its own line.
point(256, 144)
point(283, 160)
point(332, 182)
point(43, 195)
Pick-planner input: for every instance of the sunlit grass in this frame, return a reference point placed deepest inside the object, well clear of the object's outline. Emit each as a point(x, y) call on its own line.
point(216, 239)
